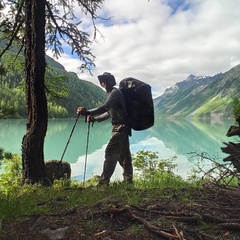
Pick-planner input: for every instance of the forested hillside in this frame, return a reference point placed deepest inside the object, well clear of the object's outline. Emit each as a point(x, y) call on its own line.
point(200, 97)
point(65, 91)
point(195, 97)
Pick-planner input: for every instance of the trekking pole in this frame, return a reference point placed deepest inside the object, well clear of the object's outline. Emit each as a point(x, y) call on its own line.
point(85, 163)
point(69, 138)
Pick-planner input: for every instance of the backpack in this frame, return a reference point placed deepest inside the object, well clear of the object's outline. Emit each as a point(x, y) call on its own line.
point(139, 103)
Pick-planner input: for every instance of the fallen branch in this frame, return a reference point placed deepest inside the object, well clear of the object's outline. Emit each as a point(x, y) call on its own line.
point(212, 219)
point(230, 226)
point(160, 232)
point(191, 220)
point(224, 170)
point(232, 192)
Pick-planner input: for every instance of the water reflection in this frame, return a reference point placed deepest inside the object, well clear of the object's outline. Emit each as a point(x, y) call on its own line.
point(171, 138)
point(168, 138)
point(11, 134)
point(59, 132)
point(185, 136)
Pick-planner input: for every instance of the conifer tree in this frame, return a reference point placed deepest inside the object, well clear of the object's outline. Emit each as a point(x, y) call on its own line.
point(33, 26)
point(236, 109)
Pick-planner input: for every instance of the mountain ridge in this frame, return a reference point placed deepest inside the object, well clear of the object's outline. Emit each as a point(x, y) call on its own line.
point(200, 96)
point(195, 97)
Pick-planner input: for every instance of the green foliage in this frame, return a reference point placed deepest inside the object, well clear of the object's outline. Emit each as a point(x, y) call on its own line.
point(64, 90)
point(148, 164)
point(62, 26)
point(56, 111)
point(54, 82)
point(8, 108)
point(2, 70)
point(145, 161)
point(236, 108)
point(11, 176)
point(154, 172)
point(154, 176)
point(4, 155)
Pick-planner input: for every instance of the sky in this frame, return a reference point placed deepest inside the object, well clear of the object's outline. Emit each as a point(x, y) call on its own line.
point(162, 42)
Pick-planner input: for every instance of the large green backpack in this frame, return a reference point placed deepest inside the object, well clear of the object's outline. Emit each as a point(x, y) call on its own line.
point(139, 103)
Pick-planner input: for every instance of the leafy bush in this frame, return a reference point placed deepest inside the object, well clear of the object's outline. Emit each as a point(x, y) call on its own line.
point(236, 108)
point(11, 176)
point(153, 172)
point(4, 155)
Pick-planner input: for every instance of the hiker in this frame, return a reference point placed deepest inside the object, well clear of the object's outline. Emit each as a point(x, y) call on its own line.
point(117, 149)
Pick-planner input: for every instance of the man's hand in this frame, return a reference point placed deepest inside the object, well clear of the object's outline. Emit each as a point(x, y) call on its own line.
point(81, 111)
point(90, 119)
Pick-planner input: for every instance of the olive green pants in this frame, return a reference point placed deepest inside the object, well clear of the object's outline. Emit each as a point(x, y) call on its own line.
point(117, 150)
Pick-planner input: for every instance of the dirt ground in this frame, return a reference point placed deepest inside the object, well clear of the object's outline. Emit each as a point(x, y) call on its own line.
point(204, 215)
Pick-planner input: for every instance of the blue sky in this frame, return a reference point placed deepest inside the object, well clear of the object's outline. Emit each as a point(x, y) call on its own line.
point(162, 42)
point(178, 5)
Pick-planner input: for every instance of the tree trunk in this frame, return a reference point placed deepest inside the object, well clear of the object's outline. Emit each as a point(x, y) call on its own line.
point(33, 140)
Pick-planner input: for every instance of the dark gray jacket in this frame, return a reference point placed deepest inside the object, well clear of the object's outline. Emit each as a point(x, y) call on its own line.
point(113, 107)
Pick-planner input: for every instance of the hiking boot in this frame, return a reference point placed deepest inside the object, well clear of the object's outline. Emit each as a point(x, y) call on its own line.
point(128, 180)
point(103, 182)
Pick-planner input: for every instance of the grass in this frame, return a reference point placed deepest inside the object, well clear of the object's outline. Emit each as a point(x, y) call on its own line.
point(34, 200)
point(153, 178)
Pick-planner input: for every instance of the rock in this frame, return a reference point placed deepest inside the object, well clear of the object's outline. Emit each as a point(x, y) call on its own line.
point(57, 170)
point(55, 234)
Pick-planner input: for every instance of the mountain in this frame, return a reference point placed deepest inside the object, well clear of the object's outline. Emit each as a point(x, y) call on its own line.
point(65, 91)
point(80, 92)
point(195, 97)
point(200, 96)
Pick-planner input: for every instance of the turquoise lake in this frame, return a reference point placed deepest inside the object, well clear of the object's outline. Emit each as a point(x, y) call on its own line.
point(180, 138)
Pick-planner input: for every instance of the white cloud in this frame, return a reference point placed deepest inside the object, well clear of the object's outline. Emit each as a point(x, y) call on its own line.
point(145, 40)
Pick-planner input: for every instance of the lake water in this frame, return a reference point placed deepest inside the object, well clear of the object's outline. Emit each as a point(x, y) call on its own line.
point(168, 138)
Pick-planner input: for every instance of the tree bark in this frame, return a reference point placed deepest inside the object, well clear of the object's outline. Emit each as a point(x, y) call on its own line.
point(33, 140)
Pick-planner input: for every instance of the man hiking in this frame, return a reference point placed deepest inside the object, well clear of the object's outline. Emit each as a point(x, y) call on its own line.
point(117, 149)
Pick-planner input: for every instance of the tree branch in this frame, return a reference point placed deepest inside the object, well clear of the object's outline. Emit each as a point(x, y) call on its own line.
point(17, 25)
